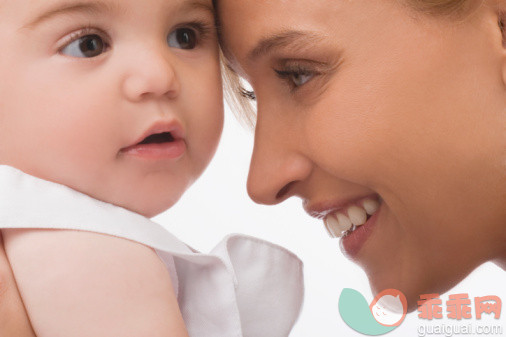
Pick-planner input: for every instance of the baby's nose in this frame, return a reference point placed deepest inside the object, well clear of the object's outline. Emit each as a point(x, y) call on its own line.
point(152, 74)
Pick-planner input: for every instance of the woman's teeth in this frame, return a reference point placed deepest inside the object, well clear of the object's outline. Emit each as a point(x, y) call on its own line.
point(370, 206)
point(357, 215)
point(347, 220)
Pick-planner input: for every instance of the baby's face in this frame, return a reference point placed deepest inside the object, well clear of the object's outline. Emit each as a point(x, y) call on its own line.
point(84, 83)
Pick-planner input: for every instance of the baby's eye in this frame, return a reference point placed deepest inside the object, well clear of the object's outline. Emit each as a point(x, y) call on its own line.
point(297, 78)
point(182, 38)
point(86, 46)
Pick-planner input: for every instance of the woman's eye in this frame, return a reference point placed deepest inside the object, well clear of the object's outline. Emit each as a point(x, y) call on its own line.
point(296, 78)
point(300, 79)
point(86, 46)
point(182, 38)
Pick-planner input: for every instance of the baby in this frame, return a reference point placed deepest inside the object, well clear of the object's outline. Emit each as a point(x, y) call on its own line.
point(109, 111)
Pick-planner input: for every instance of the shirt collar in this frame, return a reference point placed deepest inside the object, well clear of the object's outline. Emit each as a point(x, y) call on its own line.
point(30, 202)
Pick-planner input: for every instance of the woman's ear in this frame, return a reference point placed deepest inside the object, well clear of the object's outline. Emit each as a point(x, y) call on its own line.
point(501, 20)
point(500, 11)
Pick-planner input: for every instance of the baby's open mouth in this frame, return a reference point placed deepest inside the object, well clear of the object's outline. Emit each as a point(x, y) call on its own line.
point(163, 140)
point(158, 138)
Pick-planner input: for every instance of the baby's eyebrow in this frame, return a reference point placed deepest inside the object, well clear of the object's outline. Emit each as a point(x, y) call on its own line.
point(68, 7)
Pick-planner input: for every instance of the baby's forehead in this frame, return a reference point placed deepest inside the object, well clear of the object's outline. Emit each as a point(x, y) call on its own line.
point(30, 13)
point(36, 5)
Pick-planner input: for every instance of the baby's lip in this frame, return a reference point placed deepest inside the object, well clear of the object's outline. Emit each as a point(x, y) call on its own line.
point(173, 127)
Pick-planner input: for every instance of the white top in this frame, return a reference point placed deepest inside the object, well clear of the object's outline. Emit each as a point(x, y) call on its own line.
point(244, 287)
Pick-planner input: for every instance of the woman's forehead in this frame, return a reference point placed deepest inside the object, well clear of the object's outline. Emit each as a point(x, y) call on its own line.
point(278, 10)
point(251, 28)
point(242, 22)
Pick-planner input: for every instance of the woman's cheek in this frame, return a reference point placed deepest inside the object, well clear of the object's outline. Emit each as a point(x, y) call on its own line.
point(345, 139)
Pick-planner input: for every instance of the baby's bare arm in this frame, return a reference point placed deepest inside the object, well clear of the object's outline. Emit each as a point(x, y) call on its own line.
point(13, 318)
point(85, 284)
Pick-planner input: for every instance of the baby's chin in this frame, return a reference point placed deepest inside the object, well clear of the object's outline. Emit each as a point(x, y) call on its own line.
point(148, 202)
point(146, 196)
point(149, 206)
point(148, 211)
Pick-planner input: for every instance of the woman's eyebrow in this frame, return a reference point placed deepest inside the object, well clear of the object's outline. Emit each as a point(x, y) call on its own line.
point(68, 7)
point(292, 38)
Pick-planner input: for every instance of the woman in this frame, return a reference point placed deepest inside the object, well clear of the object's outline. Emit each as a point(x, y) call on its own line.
point(388, 113)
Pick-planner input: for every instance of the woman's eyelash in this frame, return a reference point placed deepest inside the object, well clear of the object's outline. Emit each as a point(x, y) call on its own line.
point(289, 73)
point(248, 94)
point(296, 76)
point(301, 74)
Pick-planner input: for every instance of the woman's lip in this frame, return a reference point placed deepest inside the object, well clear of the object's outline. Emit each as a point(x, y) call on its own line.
point(157, 151)
point(352, 243)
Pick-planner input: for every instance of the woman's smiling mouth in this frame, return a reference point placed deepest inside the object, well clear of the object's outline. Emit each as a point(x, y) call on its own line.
point(345, 221)
point(352, 222)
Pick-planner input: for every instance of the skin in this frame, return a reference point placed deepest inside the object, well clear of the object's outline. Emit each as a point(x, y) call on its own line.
point(13, 318)
point(67, 119)
point(377, 99)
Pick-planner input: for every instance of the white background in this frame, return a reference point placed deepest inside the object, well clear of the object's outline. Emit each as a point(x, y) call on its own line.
point(218, 205)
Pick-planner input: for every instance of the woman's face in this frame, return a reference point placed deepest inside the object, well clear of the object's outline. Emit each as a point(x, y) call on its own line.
point(369, 100)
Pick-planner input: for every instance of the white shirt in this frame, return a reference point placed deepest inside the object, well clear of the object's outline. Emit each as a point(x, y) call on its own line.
point(244, 287)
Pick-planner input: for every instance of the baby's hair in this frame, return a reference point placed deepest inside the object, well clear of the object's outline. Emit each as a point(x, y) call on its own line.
point(242, 102)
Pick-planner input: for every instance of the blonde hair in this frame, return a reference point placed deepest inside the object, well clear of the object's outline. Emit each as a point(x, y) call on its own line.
point(244, 108)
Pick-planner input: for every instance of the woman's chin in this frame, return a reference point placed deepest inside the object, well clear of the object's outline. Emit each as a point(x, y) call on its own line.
point(410, 278)
point(416, 281)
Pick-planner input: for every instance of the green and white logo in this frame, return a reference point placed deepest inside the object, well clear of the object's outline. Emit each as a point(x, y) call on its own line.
point(385, 313)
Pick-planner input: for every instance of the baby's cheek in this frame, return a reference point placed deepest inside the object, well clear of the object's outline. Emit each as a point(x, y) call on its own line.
point(204, 152)
point(206, 132)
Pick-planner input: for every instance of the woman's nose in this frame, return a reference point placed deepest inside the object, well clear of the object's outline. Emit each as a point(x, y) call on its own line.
point(151, 73)
point(277, 169)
